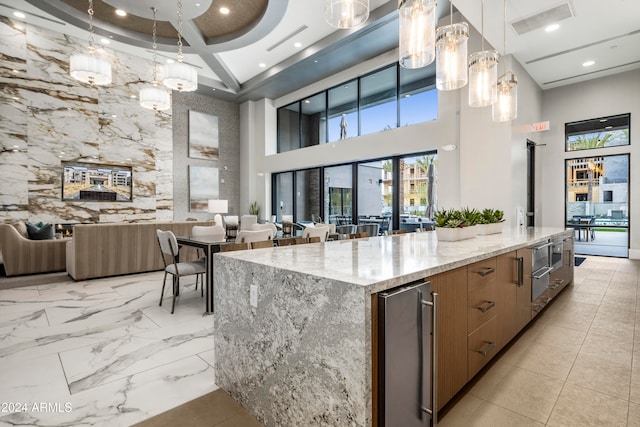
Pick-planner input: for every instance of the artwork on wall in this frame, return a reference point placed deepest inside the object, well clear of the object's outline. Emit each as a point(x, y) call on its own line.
point(203, 186)
point(203, 136)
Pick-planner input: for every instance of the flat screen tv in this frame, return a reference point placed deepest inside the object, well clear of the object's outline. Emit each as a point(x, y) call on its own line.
point(96, 182)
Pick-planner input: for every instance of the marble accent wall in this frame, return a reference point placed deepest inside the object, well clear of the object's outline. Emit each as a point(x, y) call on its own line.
point(47, 117)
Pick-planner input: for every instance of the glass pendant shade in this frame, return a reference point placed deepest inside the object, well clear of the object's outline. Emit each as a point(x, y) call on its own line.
point(506, 106)
point(451, 56)
point(346, 13)
point(155, 98)
point(180, 76)
point(89, 69)
point(483, 78)
point(417, 33)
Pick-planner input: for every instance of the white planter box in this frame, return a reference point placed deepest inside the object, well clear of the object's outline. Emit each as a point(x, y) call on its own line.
point(485, 229)
point(445, 234)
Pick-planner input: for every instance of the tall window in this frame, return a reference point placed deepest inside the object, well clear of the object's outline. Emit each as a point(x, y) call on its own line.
point(343, 111)
point(313, 120)
point(289, 127)
point(338, 194)
point(307, 194)
point(418, 185)
point(418, 96)
point(283, 194)
point(378, 105)
point(597, 133)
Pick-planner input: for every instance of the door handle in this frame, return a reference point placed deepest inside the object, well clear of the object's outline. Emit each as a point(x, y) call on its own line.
point(486, 306)
point(433, 411)
point(486, 349)
point(520, 271)
point(484, 271)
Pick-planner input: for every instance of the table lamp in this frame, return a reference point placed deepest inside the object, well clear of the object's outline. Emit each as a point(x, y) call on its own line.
point(218, 206)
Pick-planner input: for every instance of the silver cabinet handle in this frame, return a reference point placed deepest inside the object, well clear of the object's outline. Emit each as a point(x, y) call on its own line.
point(489, 346)
point(538, 275)
point(433, 411)
point(520, 271)
point(546, 245)
point(486, 306)
point(484, 271)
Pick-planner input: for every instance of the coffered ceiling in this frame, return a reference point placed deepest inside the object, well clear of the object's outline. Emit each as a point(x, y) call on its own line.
point(267, 48)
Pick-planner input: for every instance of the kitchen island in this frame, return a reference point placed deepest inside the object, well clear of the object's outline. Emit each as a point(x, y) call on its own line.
point(294, 326)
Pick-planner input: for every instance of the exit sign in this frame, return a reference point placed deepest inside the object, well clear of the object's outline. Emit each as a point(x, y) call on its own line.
point(539, 127)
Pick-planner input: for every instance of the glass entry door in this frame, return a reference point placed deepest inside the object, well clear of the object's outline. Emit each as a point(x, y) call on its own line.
point(597, 204)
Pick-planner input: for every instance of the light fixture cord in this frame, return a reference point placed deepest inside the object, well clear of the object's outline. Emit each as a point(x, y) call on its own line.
point(482, 22)
point(504, 41)
point(451, 12)
point(155, 46)
point(90, 11)
point(179, 30)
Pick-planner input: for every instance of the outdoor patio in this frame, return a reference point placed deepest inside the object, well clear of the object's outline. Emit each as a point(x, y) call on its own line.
point(612, 243)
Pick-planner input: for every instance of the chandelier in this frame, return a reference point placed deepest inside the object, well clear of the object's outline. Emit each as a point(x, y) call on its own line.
point(483, 75)
point(180, 76)
point(155, 98)
point(451, 54)
point(506, 106)
point(87, 68)
point(346, 13)
point(417, 21)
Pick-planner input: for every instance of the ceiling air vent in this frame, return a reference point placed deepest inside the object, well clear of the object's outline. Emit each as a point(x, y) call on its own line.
point(542, 19)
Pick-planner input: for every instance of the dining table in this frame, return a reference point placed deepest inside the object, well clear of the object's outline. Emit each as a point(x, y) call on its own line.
point(209, 247)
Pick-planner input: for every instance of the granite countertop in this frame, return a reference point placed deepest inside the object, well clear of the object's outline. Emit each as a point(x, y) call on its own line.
point(379, 263)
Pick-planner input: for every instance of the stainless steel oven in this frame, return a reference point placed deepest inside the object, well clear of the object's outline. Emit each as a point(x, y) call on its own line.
point(555, 253)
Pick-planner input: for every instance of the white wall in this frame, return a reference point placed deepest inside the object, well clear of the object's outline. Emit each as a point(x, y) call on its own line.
point(605, 96)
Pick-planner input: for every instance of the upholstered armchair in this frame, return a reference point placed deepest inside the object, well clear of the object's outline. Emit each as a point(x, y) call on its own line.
point(23, 256)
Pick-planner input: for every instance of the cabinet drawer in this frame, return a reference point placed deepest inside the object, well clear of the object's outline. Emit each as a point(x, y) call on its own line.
point(481, 305)
point(481, 273)
point(482, 346)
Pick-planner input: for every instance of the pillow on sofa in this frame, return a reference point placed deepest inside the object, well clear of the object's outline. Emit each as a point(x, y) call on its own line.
point(22, 229)
point(45, 232)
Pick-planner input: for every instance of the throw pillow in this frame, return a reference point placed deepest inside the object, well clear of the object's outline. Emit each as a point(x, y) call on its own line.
point(46, 232)
point(22, 229)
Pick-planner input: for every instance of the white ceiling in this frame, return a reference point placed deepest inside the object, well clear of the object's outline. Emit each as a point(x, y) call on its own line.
point(607, 34)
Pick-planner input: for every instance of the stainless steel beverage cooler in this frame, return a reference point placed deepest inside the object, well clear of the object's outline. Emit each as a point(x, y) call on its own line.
point(407, 358)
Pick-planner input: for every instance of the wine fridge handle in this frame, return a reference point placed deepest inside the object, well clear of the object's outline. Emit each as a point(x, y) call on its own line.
point(433, 411)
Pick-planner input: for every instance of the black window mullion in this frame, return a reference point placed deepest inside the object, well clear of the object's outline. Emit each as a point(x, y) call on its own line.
point(395, 198)
point(397, 95)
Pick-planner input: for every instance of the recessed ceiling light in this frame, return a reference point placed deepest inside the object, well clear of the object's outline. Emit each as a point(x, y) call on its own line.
point(105, 41)
point(407, 95)
point(297, 44)
point(588, 63)
point(262, 65)
point(551, 28)
point(306, 101)
point(19, 14)
point(603, 120)
point(224, 10)
point(315, 60)
point(121, 12)
point(170, 61)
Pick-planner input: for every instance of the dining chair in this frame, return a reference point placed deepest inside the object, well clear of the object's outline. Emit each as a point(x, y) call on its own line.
point(372, 229)
point(265, 226)
point(393, 232)
point(248, 236)
point(346, 229)
point(262, 244)
point(315, 239)
point(321, 231)
point(212, 232)
point(360, 235)
point(247, 221)
point(169, 249)
point(231, 225)
point(230, 247)
point(286, 241)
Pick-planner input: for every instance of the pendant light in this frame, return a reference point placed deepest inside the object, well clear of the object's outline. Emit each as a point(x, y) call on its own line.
point(155, 98)
point(87, 68)
point(451, 54)
point(483, 75)
point(180, 76)
point(506, 106)
point(417, 19)
point(346, 13)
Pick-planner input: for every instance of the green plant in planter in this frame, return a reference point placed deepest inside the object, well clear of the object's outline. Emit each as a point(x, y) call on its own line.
point(471, 216)
point(254, 209)
point(491, 216)
point(454, 218)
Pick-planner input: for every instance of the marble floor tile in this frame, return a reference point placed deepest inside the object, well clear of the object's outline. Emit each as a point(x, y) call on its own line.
point(602, 375)
point(32, 381)
point(474, 412)
point(581, 407)
point(521, 391)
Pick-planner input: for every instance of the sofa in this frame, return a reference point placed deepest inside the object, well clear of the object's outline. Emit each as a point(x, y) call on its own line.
point(111, 249)
point(23, 256)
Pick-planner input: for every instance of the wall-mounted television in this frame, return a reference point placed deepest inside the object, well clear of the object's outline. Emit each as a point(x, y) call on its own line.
point(96, 182)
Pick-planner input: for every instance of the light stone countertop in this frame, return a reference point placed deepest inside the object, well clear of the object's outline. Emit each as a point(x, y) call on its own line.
point(380, 263)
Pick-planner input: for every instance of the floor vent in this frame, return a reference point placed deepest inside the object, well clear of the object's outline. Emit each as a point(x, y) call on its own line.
point(542, 19)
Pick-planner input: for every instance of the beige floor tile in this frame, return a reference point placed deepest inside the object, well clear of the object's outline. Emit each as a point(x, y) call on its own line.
point(558, 336)
point(521, 391)
point(634, 394)
point(516, 352)
point(474, 412)
point(634, 415)
point(536, 327)
point(582, 297)
point(581, 407)
point(592, 286)
point(630, 277)
point(604, 347)
point(601, 375)
point(613, 328)
point(578, 316)
point(554, 362)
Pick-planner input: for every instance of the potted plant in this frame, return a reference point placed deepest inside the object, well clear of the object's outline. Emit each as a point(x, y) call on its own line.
point(254, 209)
point(453, 224)
point(491, 222)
